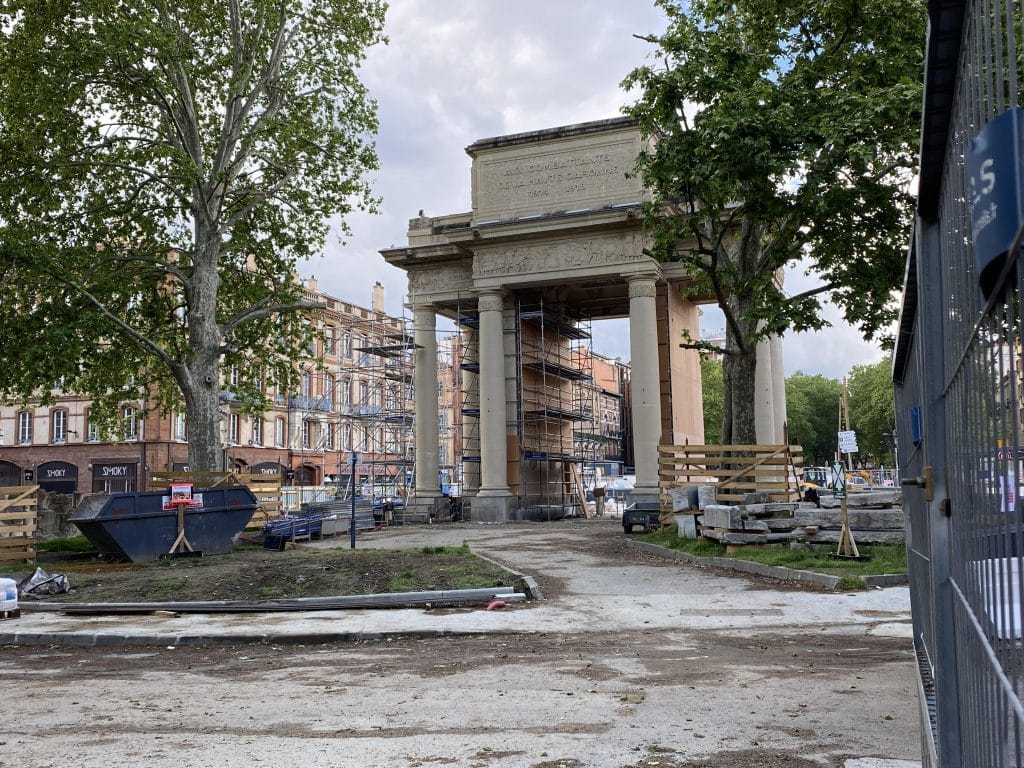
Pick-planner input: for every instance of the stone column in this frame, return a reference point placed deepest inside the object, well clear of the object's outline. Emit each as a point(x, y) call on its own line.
point(646, 385)
point(428, 488)
point(770, 393)
point(493, 502)
point(778, 389)
point(764, 396)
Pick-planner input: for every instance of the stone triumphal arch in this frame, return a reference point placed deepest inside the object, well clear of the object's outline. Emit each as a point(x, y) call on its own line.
point(554, 236)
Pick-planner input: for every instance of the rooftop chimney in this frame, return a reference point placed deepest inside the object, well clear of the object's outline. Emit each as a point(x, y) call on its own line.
point(311, 285)
point(378, 297)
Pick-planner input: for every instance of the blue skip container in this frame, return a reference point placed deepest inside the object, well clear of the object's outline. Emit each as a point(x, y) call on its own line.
point(135, 526)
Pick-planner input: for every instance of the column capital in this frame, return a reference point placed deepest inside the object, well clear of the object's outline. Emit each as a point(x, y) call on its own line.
point(492, 300)
point(424, 317)
point(642, 286)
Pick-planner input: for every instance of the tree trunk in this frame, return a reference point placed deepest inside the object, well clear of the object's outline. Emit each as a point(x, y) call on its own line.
point(738, 367)
point(202, 409)
point(738, 373)
point(201, 386)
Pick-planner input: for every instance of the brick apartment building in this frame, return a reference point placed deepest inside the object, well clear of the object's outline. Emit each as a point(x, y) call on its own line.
point(355, 393)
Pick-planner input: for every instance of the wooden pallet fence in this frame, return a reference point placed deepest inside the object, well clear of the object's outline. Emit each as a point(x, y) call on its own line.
point(266, 488)
point(735, 470)
point(18, 511)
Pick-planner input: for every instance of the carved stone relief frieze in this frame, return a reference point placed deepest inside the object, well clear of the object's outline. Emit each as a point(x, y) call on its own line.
point(440, 279)
point(565, 255)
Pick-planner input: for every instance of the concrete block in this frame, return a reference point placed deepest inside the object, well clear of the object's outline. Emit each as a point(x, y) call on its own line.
point(860, 537)
point(875, 499)
point(686, 526)
point(829, 502)
point(781, 508)
point(723, 516)
point(780, 523)
point(755, 525)
point(731, 537)
point(683, 498)
point(757, 497)
point(705, 496)
point(860, 519)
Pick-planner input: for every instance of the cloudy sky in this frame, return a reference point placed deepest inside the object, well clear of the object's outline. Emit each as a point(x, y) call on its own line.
point(460, 70)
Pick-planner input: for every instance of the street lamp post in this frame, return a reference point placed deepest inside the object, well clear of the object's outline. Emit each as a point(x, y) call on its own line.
point(352, 520)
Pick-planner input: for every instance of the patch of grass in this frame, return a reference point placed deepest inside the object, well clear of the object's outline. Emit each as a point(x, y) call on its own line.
point(403, 581)
point(461, 550)
point(882, 558)
point(70, 544)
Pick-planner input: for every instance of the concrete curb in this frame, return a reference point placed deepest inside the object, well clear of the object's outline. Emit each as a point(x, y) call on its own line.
point(525, 583)
point(106, 639)
point(770, 571)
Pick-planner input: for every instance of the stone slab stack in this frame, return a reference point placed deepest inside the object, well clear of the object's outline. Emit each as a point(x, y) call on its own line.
point(875, 517)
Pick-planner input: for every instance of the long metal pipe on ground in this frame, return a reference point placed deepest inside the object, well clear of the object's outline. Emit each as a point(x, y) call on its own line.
point(379, 600)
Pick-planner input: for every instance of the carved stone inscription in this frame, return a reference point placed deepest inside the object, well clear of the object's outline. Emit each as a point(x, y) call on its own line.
point(576, 177)
point(569, 255)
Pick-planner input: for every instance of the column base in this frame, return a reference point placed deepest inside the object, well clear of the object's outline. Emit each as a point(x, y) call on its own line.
point(494, 509)
point(421, 509)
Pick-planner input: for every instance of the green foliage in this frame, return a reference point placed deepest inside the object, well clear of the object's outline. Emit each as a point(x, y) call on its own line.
point(712, 393)
point(163, 167)
point(872, 412)
point(812, 410)
point(782, 132)
point(70, 544)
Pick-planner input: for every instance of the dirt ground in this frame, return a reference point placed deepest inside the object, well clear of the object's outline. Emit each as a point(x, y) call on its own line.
point(652, 664)
point(251, 573)
point(622, 699)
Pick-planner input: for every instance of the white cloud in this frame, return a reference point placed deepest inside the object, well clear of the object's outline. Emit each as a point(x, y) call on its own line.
point(456, 71)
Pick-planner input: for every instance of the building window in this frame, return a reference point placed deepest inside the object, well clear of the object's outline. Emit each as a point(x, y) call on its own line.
point(234, 376)
point(257, 430)
point(329, 382)
point(92, 432)
point(59, 424)
point(364, 393)
point(130, 423)
point(24, 428)
point(307, 432)
point(233, 422)
point(329, 340)
point(346, 392)
point(347, 438)
point(310, 341)
point(180, 430)
point(329, 437)
point(347, 345)
point(306, 384)
point(279, 433)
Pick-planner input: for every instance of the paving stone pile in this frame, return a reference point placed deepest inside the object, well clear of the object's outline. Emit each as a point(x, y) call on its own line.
point(875, 517)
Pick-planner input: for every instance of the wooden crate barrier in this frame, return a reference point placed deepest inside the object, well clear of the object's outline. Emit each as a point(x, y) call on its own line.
point(735, 470)
point(18, 523)
point(266, 488)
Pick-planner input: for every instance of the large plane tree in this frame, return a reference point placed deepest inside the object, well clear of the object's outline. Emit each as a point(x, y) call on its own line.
point(163, 168)
point(783, 134)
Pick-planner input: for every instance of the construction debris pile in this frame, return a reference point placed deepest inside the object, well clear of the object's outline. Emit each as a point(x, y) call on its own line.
point(875, 517)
